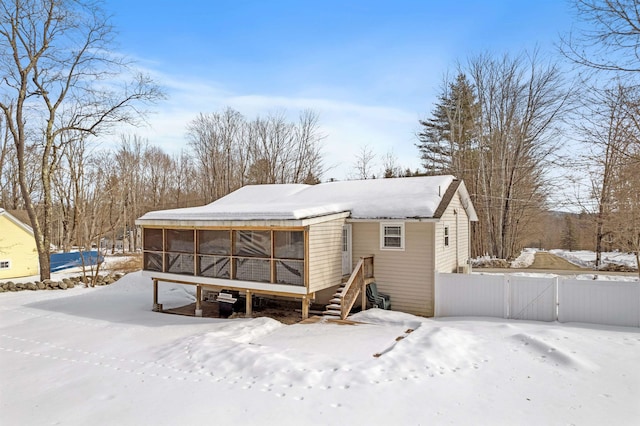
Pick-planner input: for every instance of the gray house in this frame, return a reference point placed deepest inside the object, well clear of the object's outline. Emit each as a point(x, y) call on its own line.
point(304, 241)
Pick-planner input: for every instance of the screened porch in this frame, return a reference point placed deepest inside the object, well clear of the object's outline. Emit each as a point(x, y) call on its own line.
point(272, 256)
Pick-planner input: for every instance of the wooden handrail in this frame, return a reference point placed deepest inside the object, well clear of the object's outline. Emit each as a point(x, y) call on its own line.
point(356, 283)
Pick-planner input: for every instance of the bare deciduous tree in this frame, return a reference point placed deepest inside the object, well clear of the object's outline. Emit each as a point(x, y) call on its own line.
point(496, 126)
point(626, 201)
point(60, 81)
point(216, 140)
point(390, 165)
point(611, 134)
point(608, 35)
point(364, 163)
point(521, 101)
point(231, 151)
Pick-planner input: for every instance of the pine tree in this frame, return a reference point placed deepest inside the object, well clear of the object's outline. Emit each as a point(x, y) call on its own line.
point(569, 239)
point(447, 140)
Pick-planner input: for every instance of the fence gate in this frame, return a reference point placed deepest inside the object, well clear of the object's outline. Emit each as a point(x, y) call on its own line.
point(532, 298)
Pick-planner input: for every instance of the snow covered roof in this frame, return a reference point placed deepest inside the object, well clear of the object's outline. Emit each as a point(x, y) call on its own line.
point(398, 198)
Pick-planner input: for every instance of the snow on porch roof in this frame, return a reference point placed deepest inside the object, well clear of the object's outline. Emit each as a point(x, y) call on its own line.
point(397, 198)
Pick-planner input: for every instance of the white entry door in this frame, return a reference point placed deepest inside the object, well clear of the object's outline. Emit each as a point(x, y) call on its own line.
point(346, 249)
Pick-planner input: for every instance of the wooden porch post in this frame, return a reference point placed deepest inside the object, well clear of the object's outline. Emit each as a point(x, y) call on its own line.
point(364, 295)
point(305, 307)
point(249, 307)
point(156, 306)
point(198, 299)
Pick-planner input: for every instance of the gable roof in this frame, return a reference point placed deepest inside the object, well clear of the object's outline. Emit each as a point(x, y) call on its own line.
point(16, 221)
point(397, 198)
point(457, 186)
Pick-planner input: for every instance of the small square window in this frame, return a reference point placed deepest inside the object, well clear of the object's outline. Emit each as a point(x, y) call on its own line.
point(5, 264)
point(446, 236)
point(392, 236)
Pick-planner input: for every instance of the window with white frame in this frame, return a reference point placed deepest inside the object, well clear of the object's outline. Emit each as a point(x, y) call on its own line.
point(392, 236)
point(5, 264)
point(446, 235)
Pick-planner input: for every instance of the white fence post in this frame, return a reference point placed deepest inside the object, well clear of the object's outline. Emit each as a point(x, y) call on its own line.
point(436, 297)
point(507, 296)
point(556, 301)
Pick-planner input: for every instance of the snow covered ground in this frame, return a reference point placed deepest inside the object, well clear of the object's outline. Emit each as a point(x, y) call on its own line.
point(100, 356)
point(584, 258)
point(526, 258)
point(587, 258)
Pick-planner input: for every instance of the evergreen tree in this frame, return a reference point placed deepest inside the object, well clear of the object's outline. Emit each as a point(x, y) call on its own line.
point(569, 239)
point(447, 140)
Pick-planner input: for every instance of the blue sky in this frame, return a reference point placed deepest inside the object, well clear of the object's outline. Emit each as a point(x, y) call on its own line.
point(370, 69)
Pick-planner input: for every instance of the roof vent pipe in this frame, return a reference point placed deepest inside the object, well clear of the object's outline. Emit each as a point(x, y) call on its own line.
point(439, 191)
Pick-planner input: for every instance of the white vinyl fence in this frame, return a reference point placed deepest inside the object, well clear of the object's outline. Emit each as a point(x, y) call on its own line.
point(538, 298)
point(600, 302)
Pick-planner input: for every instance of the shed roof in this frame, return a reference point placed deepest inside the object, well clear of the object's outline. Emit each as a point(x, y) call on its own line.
point(15, 220)
point(398, 198)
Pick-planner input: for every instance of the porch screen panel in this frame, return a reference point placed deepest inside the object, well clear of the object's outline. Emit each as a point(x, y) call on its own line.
point(214, 266)
point(252, 244)
point(153, 239)
point(179, 263)
point(152, 261)
point(253, 270)
point(289, 244)
point(290, 272)
point(214, 242)
point(180, 240)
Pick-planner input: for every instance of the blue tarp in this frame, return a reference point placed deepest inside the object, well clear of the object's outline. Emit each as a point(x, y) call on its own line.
point(61, 261)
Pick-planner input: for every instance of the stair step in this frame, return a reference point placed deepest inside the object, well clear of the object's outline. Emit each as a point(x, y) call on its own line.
point(333, 306)
point(331, 313)
point(336, 300)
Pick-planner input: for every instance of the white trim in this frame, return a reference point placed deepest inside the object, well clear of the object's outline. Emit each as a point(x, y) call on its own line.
point(446, 236)
point(7, 262)
point(383, 225)
point(284, 223)
point(467, 205)
point(396, 219)
point(249, 285)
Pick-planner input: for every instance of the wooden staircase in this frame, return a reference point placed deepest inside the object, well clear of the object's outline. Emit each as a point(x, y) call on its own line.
point(334, 308)
point(345, 297)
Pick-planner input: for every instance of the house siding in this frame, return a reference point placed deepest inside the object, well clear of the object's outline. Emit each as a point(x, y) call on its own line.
point(406, 275)
point(325, 254)
point(18, 247)
point(457, 253)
